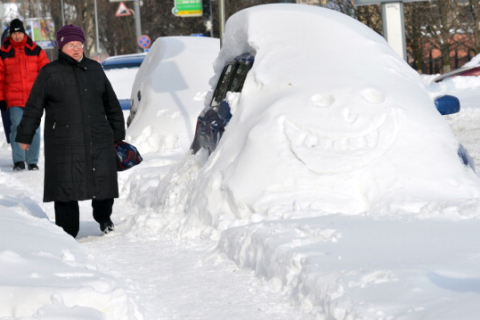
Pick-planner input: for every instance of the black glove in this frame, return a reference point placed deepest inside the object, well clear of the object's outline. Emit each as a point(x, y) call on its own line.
point(3, 105)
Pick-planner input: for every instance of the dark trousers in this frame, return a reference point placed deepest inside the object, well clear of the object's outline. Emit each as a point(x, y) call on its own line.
point(67, 214)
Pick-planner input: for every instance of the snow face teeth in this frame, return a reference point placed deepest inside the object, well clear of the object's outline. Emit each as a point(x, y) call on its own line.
point(358, 141)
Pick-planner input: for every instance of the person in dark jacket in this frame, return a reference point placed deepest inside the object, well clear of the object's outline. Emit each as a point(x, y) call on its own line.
point(83, 119)
point(20, 61)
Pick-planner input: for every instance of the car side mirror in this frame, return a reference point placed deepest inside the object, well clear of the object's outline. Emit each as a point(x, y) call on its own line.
point(447, 105)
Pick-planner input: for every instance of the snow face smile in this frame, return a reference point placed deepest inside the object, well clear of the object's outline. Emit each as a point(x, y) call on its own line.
point(351, 139)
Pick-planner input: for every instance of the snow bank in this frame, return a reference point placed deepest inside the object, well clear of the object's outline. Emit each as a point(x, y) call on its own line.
point(47, 275)
point(353, 267)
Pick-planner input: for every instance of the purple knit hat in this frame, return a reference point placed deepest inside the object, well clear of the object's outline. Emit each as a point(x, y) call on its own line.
point(69, 33)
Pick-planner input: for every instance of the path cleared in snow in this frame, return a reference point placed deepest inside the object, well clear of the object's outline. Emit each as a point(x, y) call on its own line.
point(185, 281)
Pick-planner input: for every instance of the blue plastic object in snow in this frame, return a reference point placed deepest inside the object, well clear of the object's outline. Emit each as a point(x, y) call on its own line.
point(447, 105)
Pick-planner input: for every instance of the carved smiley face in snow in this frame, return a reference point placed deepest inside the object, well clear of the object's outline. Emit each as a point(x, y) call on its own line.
point(340, 137)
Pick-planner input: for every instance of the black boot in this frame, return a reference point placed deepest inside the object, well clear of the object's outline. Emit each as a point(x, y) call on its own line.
point(19, 166)
point(67, 216)
point(107, 227)
point(33, 167)
point(102, 210)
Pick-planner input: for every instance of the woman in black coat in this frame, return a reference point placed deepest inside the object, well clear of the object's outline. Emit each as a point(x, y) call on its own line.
point(83, 120)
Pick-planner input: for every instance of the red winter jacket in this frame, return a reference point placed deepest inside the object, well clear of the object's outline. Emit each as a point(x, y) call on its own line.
point(20, 63)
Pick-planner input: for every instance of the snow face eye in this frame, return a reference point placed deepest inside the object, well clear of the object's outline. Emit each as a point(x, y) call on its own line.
point(322, 100)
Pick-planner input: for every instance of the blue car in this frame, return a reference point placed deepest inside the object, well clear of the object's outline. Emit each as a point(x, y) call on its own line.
point(124, 61)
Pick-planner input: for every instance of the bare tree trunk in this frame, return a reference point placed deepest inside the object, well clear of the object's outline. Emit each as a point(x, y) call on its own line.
point(414, 21)
point(472, 22)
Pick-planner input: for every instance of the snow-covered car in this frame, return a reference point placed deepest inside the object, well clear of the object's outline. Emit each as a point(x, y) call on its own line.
point(121, 71)
point(470, 69)
point(466, 71)
point(168, 92)
point(334, 103)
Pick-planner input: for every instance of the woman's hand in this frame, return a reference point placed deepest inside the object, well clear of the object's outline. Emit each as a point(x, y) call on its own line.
point(24, 146)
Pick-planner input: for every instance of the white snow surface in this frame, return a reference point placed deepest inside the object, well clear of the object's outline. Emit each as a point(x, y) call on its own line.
point(335, 193)
point(122, 81)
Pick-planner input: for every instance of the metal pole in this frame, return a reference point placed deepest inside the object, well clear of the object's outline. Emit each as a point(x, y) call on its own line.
point(394, 27)
point(138, 24)
point(63, 13)
point(221, 9)
point(209, 23)
point(97, 45)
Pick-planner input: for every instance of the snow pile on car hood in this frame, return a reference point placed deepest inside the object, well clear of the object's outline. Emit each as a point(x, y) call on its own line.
point(329, 120)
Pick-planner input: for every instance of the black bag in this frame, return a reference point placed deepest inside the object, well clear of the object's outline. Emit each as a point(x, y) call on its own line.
point(127, 155)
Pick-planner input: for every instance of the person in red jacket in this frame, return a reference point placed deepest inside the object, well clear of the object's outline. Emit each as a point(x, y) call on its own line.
point(20, 61)
point(5, 113)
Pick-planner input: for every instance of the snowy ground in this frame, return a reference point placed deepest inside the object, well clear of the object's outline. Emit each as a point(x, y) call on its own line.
point(165, 276)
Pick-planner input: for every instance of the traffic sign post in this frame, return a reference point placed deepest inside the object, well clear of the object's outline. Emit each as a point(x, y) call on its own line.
point(188, 8)
point(144, 41)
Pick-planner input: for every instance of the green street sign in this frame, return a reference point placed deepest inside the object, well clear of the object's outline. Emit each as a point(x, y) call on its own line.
point(187, 8)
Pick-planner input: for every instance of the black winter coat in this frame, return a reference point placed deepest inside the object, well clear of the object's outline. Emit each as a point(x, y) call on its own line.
point(83, 119)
